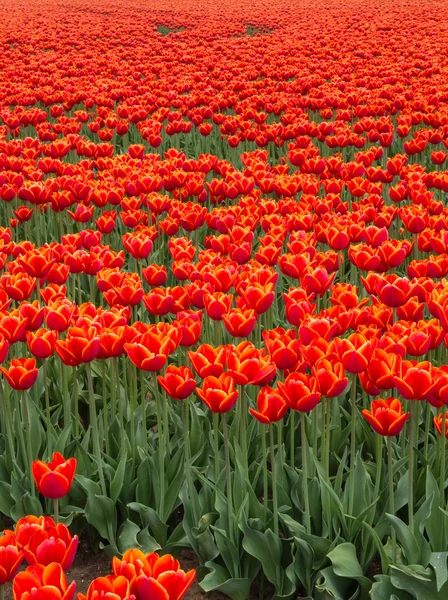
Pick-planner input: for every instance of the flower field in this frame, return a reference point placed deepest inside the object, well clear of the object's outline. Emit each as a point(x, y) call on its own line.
point(224, 298)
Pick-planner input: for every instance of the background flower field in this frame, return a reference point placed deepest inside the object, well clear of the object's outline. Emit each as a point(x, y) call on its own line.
point(224, 298)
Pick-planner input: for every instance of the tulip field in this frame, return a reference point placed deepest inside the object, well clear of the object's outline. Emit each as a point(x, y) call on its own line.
point(224, 299)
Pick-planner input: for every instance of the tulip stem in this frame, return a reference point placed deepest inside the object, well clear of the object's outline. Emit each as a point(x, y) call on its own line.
point(4, 401)
point(216, 444)
point(26, 419)
point(161, 448)
point(67, 420)
point(391, 495)
point(105, 410)
point(442, 468)
point(228, 474)
point(274, 479)
point(305, 473)
point(243, 432)
point(292, 436)
point(411, 465)
point(379, 464)
point(56, 510)
point(352, 445)
point(265, 472)
point(76, 400)
point(94, 426)
point(327, 435)
point(119, 399)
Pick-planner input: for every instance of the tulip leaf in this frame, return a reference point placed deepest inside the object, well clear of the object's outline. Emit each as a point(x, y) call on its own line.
point(383, 589)
point(219, 580)
point(407, 539)
point(100, 513)
point(117, 482)
point(438, 562)
point(6, 499)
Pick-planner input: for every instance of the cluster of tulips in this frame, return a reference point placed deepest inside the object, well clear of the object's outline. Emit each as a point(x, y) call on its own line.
point(224, 295)
point(49, 549)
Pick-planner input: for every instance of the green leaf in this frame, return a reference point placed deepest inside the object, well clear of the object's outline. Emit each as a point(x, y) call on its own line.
point(117, 482)
point(383, 589)
point(101, 514)
point(219, 580)
point(6, 500)
point(438, 561)
point(407, 539)
point(346, 564)
point(127, 536)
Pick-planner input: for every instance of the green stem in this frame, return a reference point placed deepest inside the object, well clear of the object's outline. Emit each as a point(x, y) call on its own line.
point(67, 419)
point(274, 479)
point(4, 401)
point(327, 435)
point(216, 444)
point(76, 400)
point(305, 473)
point(411, 464)
point(26, 419)
point(243, 433)
point(94, 426)
point(391, 495)
point(56, 510)
point(265, 472)
point(161, 447)
point(119, 400)
point(292, 440)
point(379, 463)
point(352, 445)
point(228, 475)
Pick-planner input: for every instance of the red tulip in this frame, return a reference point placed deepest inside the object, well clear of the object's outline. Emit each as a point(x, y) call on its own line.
point(386, 416)
point(10, 557)
point(178, 382)
point(22, 373)
point(54, 479)
point(218, 393)
point(52, 545)
point(41, 583)
point(271, 406)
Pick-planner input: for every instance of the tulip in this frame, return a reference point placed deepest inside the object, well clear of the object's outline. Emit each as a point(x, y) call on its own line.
point(10, 557)
point(271, 406)
point(22, 373)
point(300, 392)
point(42, 343)
point(386, 416)
point(218, 393)
point(109, 587)
point(54, 479)
point(240, 323)
point(51, 545)
point(178, 382)
point(39, 582)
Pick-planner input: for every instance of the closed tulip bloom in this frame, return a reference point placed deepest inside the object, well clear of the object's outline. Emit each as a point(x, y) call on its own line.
point(393, 290)
point(55, 478)
point(27, 526)
point(386, 416)
point(135, 563)
point(438, 422)
point(240, 323)
point(42, 343)
point(52, 545)
point(149, 353)
point(155, 275)
point(283, 347)
point(330, 377)
point(10, 557)
point(217, 304)
point(81, 345)
point(300, 392)
point(41, 583)
point(189, 323)
point(344, 294)
point(207, 360)
point(355, 352)
point(13, 328)
point(178, 382)
point(218, 393)
point(159, 301)
point(271, 407)
point(170, 585)
point(19, 286)
point(22, 373)
point(111, 342)
point(382, 368)
point(258, 297)
point(110, 587)
point(4, 348)
point(59, 314)
point(317, 280)
point(249, 365)
point(139, 245)
point(415, 380)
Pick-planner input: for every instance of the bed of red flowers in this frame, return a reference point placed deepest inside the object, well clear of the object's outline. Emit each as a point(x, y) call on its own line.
point(224, 296)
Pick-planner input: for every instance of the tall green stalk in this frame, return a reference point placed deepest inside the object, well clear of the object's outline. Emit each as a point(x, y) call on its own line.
point(305, 473)
point(352, 444)
point(274, 479)
point(94, 426)
point(228, 476)
point(390, 473)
